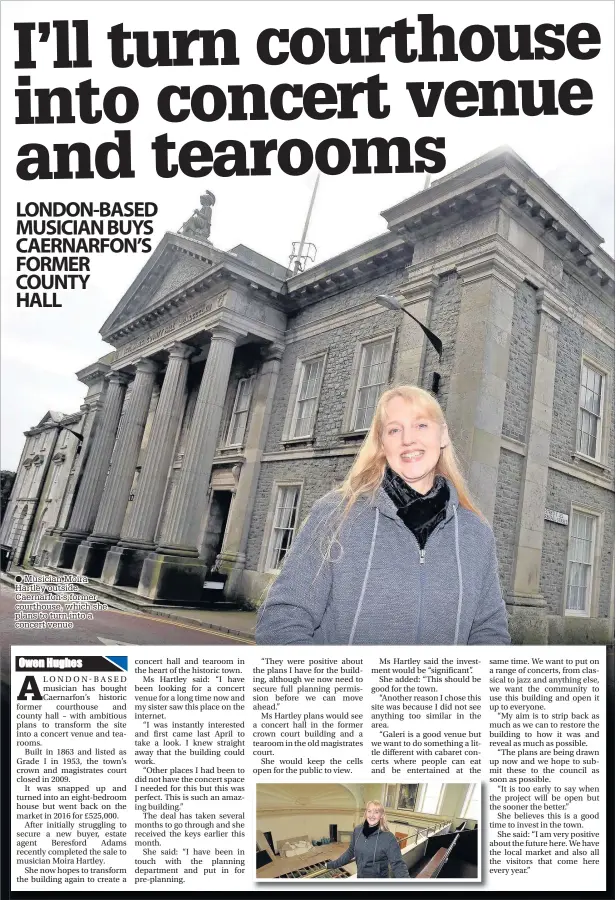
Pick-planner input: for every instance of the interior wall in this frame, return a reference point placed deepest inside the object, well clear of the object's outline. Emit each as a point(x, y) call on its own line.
point(470, 823)
point(285, 825)
point(373, 791)
point(453, 799)
point(293, 810)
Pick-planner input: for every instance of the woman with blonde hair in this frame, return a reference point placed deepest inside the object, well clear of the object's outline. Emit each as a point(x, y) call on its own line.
point(373, 847)
point(399, 554)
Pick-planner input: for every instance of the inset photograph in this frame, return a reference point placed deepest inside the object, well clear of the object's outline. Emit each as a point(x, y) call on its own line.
point(368, 831)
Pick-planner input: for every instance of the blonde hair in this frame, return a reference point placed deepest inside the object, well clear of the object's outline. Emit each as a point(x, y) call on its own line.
point(366, 473)
point(383, 823)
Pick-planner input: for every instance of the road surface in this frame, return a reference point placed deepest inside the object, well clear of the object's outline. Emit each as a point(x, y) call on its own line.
point(108, 627)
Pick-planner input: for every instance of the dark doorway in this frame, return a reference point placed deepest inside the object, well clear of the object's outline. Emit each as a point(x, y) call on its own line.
point(216, 525)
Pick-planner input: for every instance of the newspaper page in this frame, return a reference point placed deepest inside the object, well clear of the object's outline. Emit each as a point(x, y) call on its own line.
point(141, 770)
point(307, 489)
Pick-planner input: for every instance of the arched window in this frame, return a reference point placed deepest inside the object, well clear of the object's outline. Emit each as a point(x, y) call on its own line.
point(430, 798)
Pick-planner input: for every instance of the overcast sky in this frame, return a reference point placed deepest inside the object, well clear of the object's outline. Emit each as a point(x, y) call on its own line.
point(42, 348)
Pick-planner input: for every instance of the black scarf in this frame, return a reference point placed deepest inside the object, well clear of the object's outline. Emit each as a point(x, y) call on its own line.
point(367, 830)
point(421, 513)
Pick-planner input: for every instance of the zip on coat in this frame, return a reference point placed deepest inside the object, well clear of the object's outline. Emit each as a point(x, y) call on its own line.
point(375, 586)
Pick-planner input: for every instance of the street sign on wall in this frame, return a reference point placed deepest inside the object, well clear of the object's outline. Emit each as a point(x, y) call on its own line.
point(552, 515)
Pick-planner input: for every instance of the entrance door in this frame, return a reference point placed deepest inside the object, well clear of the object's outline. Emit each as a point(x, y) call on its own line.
point(216, 525)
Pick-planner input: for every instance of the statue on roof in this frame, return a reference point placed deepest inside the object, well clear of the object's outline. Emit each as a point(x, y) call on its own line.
point(200, 223)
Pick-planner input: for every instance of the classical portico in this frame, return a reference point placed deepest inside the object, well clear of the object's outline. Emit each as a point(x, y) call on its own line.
point(123, 563)
point(95, 470)
point(138, 520)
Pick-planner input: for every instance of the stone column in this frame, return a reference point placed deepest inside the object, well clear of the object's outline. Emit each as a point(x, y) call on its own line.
point(91, 553)
point(232, 558)
point(476, 401)
point(526, 604)
point(83, 427)
point(7, 522)
point(123, 563)
point(91, 412)
point(418, 298)
point(94, 475)
point(184, 521)
point(175, 571)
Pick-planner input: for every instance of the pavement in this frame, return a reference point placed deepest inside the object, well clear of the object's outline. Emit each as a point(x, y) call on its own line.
point(224, 618)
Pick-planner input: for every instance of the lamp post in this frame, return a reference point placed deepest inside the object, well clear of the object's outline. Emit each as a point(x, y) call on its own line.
point(389, 302)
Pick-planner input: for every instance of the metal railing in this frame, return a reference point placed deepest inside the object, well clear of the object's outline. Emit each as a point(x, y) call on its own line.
point(420, 833)
point(433, 868)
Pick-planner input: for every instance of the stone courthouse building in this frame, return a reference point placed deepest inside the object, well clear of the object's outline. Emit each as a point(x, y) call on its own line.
point(238, 393)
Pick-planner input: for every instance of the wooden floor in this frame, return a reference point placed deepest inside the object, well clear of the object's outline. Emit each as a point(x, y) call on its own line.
point(283, 865)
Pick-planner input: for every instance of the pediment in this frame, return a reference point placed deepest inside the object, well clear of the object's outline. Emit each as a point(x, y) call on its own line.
point(178, 271)
point(176, 262)
point(51, 417)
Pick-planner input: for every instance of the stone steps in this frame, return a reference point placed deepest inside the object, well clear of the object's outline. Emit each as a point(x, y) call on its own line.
point(240, 622)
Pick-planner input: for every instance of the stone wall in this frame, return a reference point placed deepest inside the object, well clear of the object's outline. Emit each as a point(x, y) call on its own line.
point(519, 371)
point(340, 344)
point(552, 264)
point(573, 342)
point(444, 323)
point(317, 476)
point(456, 236)
point(505, 523)
point(562, 491)
point(587, 300)
point(349, 298)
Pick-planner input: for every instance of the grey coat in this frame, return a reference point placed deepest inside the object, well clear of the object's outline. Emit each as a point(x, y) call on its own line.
point(373, 855)
point(377, 587)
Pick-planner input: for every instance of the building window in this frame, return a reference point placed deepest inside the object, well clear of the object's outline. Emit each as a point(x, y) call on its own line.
point(284, 523)
point(391, 796)
point(430, 799)
point(307, 397)
point(18, 527)
point(13, 528)
point(590, 412)
point(29, 480)
point(582, 540)
point(372, 376)
point(54, 481)
point(472, 802)
point(239, 416)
